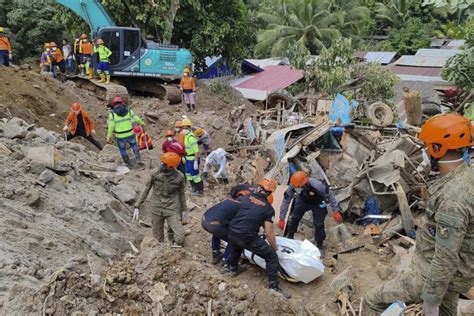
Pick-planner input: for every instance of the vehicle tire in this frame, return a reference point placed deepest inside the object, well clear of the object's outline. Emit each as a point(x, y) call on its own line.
point(380, 114)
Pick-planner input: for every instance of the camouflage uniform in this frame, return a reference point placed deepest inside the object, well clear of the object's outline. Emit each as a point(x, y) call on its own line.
point(167, 202)
point(443, 262)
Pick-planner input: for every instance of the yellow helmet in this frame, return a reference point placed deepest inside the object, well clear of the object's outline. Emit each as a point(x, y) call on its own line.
point(186, 122)
point(2, 30)
point(199, 132)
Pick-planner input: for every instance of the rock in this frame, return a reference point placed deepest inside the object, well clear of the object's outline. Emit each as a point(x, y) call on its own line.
point(124, 192)
point(383, 271)
point(221, 287)
point(41, 157)
point(217, 124)
point(36, 86)
point(76, 147)
point(46, 176)
point(133, 292)
point(15, 128)
point(45, 135)
point(241, 307)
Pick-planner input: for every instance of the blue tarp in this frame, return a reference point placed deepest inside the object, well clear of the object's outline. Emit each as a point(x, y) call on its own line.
point(340, 110)
point(216, 67)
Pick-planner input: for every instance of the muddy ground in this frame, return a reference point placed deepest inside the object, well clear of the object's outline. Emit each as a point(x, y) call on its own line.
point(65, 246)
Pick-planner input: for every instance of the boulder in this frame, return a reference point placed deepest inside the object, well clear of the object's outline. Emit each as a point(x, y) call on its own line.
point(46, 176)
point(217, 124)
point(44, 134)
point(15, 128)
point(124, 192)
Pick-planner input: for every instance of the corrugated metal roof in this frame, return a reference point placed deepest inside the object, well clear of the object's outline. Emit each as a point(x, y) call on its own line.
point(263, 63)
point(380, 57)
point(257, 86)
point(418, 71)
point(428, 52)
point(456, 43)
point(421, 61)
point(437, 42)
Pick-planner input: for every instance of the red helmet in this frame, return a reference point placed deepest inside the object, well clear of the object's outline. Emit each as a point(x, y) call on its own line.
point(299, 179)
point(137, 130)
point(75, 107)
point(116, 100)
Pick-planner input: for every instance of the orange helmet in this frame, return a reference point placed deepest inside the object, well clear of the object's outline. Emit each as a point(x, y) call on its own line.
point(83, 36)
point(170, 159)
point(75, 107)
point(178, 124)
point(53, 44)
point(199, 132)
point(169, 133)
point(299, 179)
point(268, 185)
point(270, 198)
point(99, 41)
point(446, 132)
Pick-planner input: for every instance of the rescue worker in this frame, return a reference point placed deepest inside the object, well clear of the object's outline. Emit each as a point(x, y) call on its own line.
point(442, 265)
point(216, 160)
point(168, 202)
point(178, 132)
point(203, 139)
point(216, 222)
point(103, 66)
point(45, 61)
point(172, 145)
point(5, 49)
point(80, 123)
point(68, 55)
point(120, 124)
point(188, 87)
point(57, 60)
point(310, 195)
point(192, 158)
point(256, 211)
point(86, 50)
point(78, 55)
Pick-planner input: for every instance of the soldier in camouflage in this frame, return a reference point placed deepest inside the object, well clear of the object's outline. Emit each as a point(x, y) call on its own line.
point(168, 201)
point(443, 262)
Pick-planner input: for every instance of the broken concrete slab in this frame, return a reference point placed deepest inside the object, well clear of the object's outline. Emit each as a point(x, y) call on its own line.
point(124, 192)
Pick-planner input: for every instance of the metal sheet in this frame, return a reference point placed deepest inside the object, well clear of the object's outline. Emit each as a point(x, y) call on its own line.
point(429, 52)
point(380, 57)
point(422, 61)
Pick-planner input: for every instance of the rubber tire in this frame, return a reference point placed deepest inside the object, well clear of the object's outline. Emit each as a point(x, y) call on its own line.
point(378, 107)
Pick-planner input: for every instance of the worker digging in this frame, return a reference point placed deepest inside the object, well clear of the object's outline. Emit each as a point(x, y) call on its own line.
point(123, 195)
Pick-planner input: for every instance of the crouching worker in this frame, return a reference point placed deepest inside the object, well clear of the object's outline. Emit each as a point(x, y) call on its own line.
point(256, 211)
point(216, 222)
point(216, 160)
point(168, 201)
point(120, 124)
point(79, 123)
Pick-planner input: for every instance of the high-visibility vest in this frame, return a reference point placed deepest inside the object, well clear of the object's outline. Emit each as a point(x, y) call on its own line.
point(104, 53)
point(191, 145)
point(123, 125)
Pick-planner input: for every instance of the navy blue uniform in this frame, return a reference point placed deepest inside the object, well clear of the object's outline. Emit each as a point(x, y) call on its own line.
point(216, 222)
point(243, 233)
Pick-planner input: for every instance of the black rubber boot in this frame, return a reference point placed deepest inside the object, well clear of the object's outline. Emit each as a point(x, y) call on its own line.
point(193, 106)
point(273, 286)
point(189, 107)
point(199, 188)
point(127, 161)
point(319, 244)
point(216, 257)
point(235, 271)
point(193, 186)
point(225, 268)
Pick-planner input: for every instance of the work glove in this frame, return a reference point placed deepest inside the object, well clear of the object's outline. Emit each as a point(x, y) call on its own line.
point(196, 165)
point(337, 217)
point(281, 224)
point(136, 212)
point(66, 128)
point(109, 140)
point(93, 131)
point(430, 309)
point(10, 56)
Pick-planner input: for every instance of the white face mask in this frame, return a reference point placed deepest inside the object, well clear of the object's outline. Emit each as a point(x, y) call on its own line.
point(54, 49)
point(426, 157)
point(170, 139)
point(48, 49)
point(185, 130)
point(177, 130)
point(298, 190)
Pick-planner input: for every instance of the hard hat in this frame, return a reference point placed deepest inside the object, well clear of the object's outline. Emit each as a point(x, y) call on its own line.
point(186, 122)
point(116, 100)
point(75, 107)
point(2, 30)
point(177, 124)
point(83, 36)
point(137, 130)
point(446, 132)
point(46, 45)
point(268, 184)
point(199, 132)
point(270, 198)
point(99, 41)
point(299, 179)
point(170, 159)
point(169, 133)
point(53, 44)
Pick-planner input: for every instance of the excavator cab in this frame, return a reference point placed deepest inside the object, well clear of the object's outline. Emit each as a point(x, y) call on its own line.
point(125, 44)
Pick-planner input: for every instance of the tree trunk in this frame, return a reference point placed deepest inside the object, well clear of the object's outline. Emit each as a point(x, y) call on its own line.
point(168, 31)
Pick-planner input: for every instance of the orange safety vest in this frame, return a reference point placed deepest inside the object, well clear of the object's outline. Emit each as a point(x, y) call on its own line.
point(57, 56)
point(86, 48)
point(188, 83)
point(5, 44)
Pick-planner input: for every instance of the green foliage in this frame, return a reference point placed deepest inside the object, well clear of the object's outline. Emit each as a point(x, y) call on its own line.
point(459, 70)
point(311, 23)
point(331, 69)
point(224, 91)
point(30, 25)
point(408, 39)
point(452, 6)
point(215, 27)
point(379, 83)
point(452, 30)
point(297, 54)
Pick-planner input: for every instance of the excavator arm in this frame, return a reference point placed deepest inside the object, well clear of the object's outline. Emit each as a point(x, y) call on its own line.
point(91, 11)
